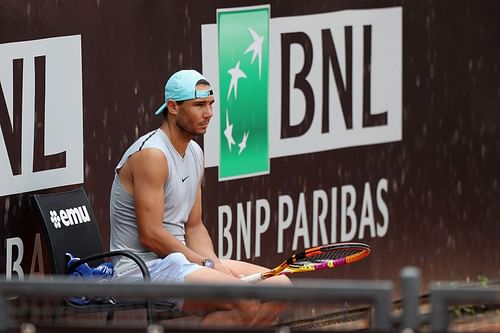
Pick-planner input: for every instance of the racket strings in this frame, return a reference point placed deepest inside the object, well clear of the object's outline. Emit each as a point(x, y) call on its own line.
point(337, 254)
point(324, 257)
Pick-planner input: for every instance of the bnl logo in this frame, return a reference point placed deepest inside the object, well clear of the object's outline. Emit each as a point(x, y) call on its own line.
point(302, 84)
point(40, 114)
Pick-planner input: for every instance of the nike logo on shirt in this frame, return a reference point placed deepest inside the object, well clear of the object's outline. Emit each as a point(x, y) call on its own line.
point(183, 179)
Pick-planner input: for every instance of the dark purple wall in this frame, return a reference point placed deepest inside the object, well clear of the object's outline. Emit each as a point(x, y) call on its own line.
point(443, 177)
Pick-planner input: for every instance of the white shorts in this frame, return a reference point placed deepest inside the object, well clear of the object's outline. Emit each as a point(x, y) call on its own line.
point(172, 269)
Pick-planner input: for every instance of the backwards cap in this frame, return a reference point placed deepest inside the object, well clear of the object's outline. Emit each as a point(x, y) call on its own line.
point(181, 86)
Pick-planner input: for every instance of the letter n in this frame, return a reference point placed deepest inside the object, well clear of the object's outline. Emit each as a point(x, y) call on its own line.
point(344, 90)
point(12, 131)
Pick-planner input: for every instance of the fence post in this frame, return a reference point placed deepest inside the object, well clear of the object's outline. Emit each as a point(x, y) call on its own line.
point(410, 287)
point(3, 314)
point(439, 312)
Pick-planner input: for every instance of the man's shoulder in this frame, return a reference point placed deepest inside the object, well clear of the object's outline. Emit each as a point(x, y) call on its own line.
point(149, 137)
point(150, 153)
point(149, 161)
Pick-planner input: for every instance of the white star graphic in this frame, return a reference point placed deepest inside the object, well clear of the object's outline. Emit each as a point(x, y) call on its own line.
point(236, 74)
point(228, 132)
point(243, 143)
point(256, 47)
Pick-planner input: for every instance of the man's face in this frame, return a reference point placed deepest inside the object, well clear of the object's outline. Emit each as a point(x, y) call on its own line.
point(194, 115)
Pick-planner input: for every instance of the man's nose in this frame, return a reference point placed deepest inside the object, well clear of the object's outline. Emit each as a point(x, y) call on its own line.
point(208, 112)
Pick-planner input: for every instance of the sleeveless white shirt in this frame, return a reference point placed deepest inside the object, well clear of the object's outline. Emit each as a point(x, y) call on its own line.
point(184, 176)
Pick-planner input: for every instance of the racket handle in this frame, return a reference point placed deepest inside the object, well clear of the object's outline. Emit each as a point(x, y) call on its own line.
point(253, 278)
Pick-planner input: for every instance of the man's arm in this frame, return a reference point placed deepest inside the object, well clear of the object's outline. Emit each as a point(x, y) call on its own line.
point(149, 172)
point(197, 236)
point(198, 239)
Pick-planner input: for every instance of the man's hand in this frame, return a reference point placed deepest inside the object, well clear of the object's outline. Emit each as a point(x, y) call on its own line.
point(225, 269)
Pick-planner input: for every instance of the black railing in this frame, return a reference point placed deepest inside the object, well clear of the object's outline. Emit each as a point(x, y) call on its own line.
point(376, 293)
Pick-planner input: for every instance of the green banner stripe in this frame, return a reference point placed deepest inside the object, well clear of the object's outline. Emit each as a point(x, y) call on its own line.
point(243, 36)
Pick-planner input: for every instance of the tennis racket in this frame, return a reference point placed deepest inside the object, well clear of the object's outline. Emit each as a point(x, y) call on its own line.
point(316, 258)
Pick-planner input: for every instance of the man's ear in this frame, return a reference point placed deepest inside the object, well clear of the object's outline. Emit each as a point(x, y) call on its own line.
point(172, 107)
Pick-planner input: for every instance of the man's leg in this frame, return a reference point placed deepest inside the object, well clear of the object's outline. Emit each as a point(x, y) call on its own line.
point(236, 312)
point(222, 313)
point(245, 268)
point(268, 311)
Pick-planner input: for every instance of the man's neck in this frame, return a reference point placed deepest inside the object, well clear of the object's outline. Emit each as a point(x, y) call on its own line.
point(178, 137)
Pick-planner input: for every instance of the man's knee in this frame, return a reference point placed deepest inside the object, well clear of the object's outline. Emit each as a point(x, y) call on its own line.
point(247, 309)
point(177, 258)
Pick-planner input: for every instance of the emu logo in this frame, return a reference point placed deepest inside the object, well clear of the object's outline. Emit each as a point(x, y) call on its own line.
point(69, 216)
